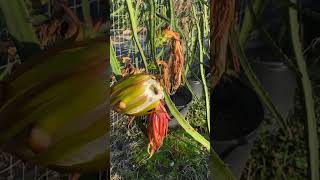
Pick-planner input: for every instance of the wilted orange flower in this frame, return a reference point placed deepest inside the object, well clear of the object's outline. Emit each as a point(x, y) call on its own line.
point(176, 64)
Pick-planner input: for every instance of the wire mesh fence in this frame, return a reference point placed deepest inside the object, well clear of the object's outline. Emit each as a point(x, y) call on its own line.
point(121, 32)
point(12, 168)
point(122, 36)
point(125, 46)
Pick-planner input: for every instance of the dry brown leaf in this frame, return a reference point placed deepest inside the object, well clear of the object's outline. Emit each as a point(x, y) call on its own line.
point(73, 22)
point(165, 77)
point(178, 65)
point(12, 53)
point(130, 68)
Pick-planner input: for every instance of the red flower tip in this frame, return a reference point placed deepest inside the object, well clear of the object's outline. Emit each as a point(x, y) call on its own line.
point(157, 128)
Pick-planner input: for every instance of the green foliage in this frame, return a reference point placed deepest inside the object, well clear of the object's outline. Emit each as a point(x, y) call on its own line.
point(275, 154)
point(180, 157)
point(156, 41)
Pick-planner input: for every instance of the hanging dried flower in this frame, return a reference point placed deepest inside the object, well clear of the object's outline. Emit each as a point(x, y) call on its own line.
point(176, 66)
point(58, 28)
point(222, 26)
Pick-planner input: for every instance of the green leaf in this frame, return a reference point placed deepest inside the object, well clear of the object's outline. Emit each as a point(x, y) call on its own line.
point(171, 14)
point(115, 65)
point(240, 41)
point(257, 86)
point(134, 27)
point(219, 170)
point(19, 26)
point(313, 142)
point(202, 71)
point(248, 21)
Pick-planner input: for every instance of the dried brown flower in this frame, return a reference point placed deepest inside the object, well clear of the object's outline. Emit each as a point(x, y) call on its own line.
point(222, 27)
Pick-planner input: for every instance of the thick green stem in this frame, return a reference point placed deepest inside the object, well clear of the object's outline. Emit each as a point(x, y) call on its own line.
point(185, 125)
point(313, 143)
point(115, 66)
point(152, 20)
point(219, 170)
point(134, 27)
point(152, 33)
point(205, 20)
point(202, 72)
point(241, 39)
point(257, 86)
point(19, 25)
point(248, 21)
point(191, 52)
point(171, 13)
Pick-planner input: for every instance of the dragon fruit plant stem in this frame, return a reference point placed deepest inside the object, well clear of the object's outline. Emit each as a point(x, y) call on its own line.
point(139, 95)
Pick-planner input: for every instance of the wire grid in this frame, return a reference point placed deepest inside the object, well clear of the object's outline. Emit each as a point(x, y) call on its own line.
point(121, 34)
point(120, 31)
point(123, 42)
point(12, 168)
point(124, 46)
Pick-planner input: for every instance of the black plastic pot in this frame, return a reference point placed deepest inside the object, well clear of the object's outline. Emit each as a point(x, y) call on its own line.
point(279, 81)
point(236, 115)
point(196, 87)
point(275, 76)
point(181, 99)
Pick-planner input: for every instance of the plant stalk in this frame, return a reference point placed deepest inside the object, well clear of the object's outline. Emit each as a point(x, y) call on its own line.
point(134, 27)
point(313, 143)
point(240, 41)
point(19, 25)
point(202, 72)
point(185, 125)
